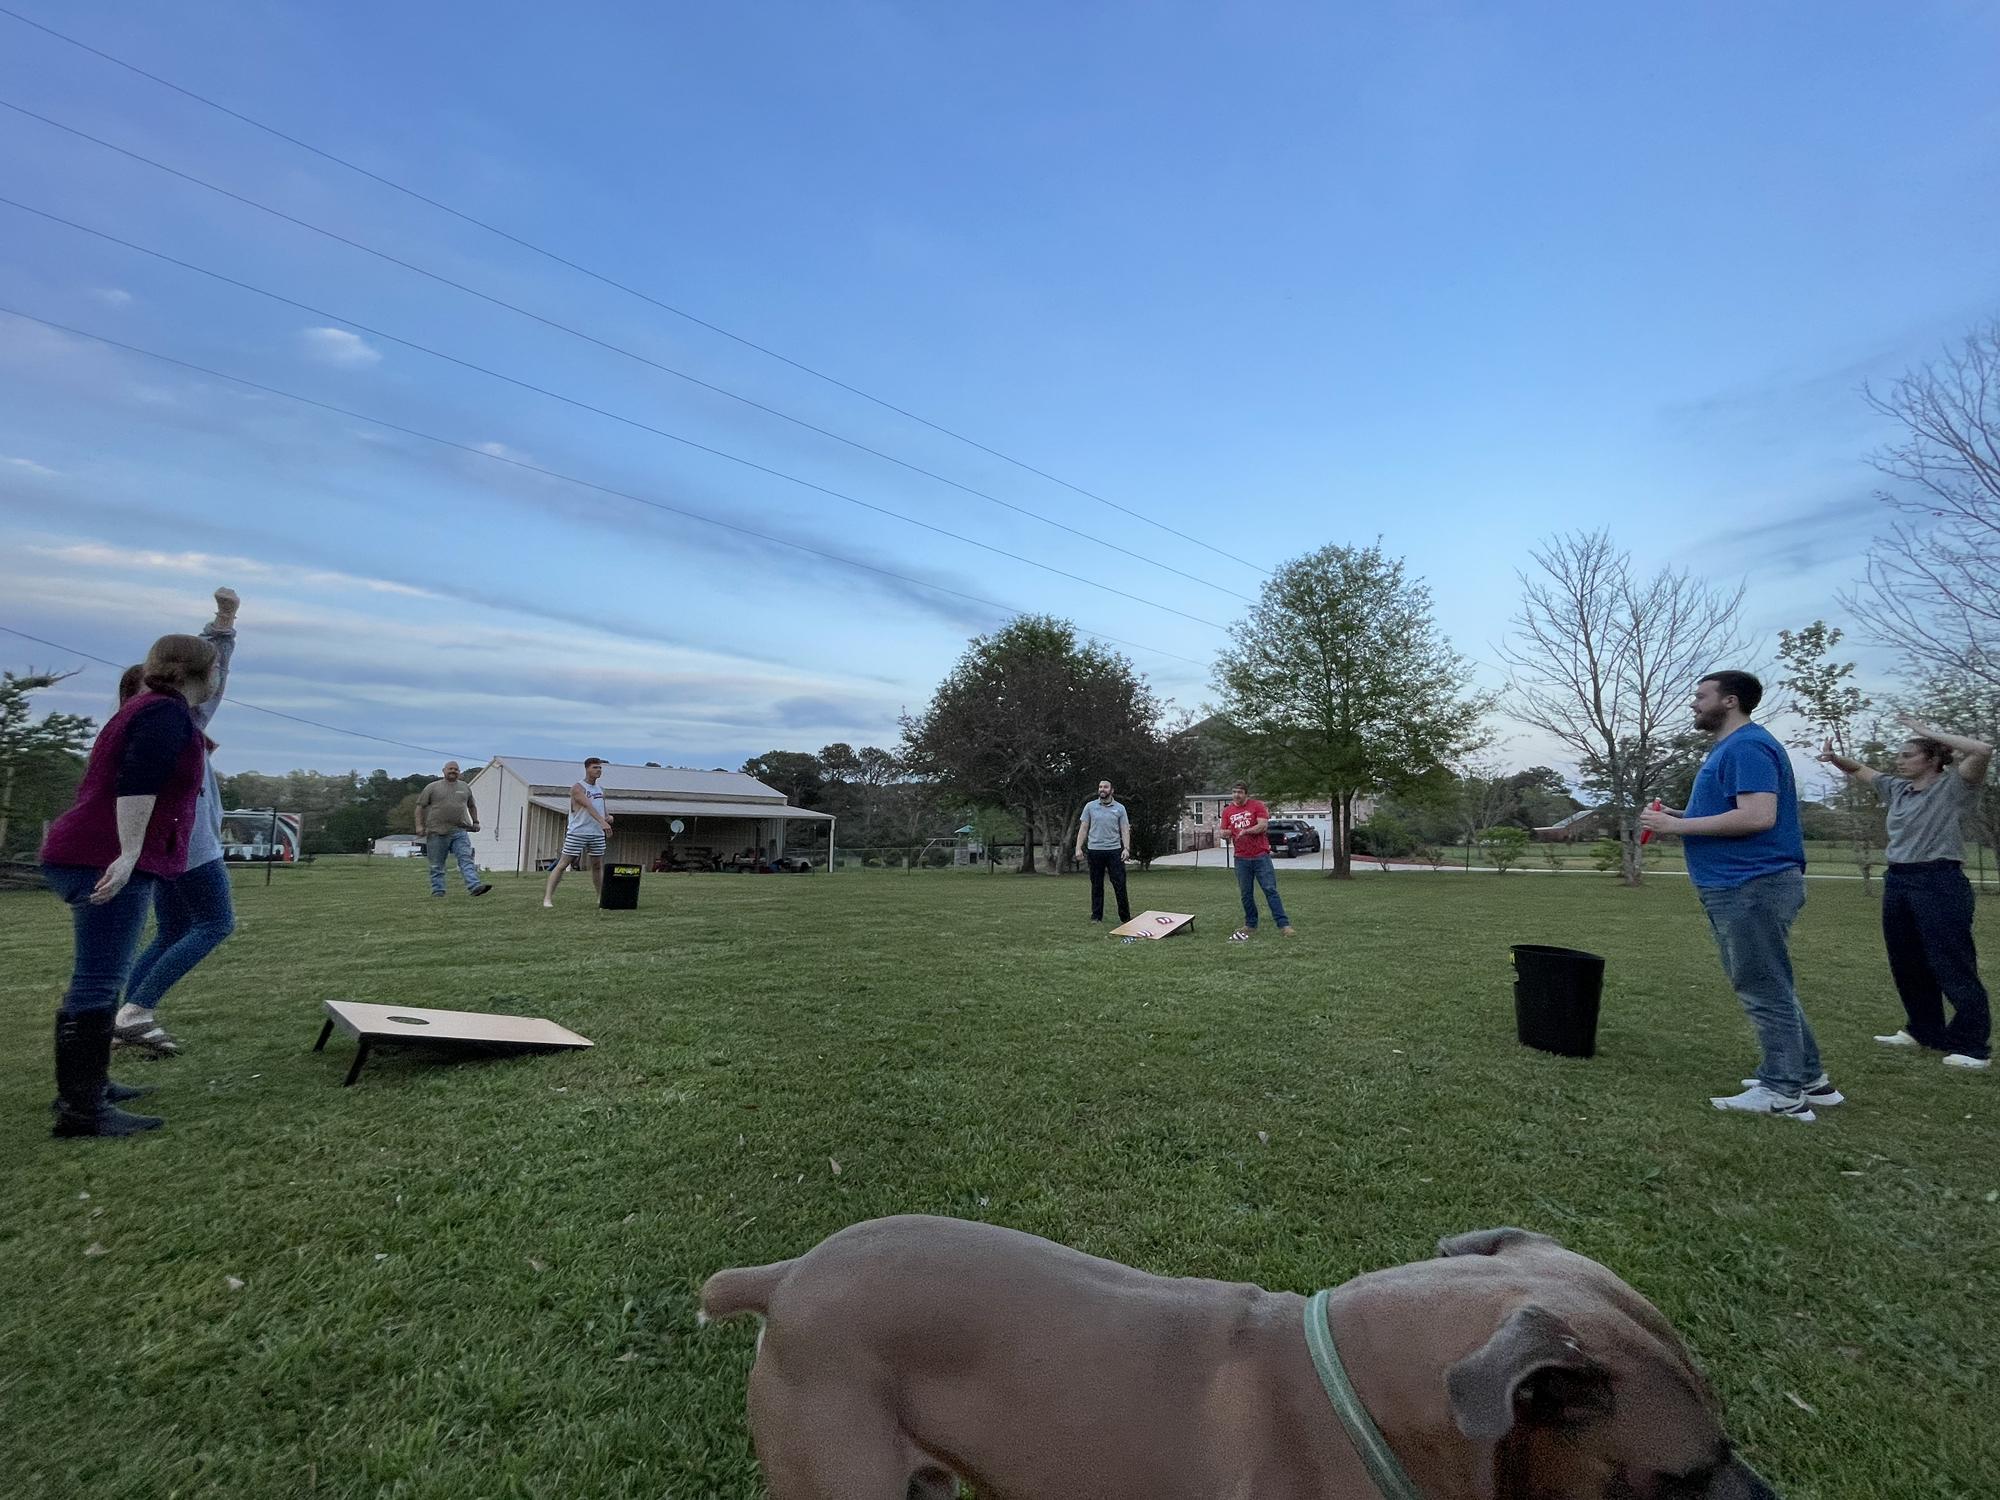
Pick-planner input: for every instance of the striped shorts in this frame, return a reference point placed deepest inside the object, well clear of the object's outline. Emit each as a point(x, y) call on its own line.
point(578, 841)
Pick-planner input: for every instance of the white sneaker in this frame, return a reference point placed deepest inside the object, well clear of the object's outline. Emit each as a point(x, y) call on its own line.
point(1899, 1039)
point(1820, 1093)
point(1758, 1100)
point(548, 906)
point(1964, 1060)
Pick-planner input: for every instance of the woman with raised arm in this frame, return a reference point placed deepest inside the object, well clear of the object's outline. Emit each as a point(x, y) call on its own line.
point(194, 913)
point(1926, 899)
point(128, 830)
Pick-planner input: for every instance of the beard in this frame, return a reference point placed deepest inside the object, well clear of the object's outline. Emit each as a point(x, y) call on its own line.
point(1710, 720)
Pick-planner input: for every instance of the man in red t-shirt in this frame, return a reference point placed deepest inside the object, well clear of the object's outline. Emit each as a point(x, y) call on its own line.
point(1244, 822)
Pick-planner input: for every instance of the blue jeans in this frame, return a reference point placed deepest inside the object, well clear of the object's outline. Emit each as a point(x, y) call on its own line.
point(1252, 875)
point(106, 936)
point(195, 915)
point(1751, 923)
point(459, 846)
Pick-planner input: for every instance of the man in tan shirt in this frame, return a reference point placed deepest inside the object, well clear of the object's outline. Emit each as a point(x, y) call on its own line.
point(447, 817)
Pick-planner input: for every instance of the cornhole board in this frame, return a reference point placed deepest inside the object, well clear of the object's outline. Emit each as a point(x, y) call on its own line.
point(1155, 924)
point(466, 1030)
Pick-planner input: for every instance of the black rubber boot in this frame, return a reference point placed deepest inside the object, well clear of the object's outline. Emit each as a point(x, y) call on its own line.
point(83, 1066)
point(117, 1093)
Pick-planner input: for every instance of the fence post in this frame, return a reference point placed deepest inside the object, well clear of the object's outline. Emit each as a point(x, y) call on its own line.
point(271, 850)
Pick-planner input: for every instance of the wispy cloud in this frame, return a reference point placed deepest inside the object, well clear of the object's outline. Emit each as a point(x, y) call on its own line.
point(112, 296)
point(336, 346)
point(29, 466)
point(212, 565)
point(1796, 540)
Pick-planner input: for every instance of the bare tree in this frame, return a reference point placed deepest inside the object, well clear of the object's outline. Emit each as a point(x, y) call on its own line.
point(1484, 798)
point(1932, 587)
point(1603, 661)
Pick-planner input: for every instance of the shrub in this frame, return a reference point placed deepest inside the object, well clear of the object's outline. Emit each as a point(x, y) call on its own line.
point(1504, 846)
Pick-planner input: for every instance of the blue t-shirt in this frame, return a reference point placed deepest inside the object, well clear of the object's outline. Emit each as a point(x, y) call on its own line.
point(1749, 760)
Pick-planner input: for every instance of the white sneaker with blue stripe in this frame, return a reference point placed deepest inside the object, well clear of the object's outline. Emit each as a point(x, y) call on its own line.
point(1758, 1100)
point(1820, 1093)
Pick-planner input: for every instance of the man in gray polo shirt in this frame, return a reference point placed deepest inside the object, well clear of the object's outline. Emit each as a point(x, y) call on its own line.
point(1104, 835)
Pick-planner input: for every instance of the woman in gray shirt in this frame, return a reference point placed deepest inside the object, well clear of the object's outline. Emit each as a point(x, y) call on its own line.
point(1926, 899)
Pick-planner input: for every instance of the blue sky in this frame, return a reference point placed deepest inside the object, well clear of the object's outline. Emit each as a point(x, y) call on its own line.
point(1457, 275)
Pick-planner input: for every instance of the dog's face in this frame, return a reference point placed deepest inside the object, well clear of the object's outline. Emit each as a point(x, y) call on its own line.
point(1598, 1403)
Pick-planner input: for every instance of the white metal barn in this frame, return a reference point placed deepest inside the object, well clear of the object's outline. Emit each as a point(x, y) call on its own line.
point(524, 808)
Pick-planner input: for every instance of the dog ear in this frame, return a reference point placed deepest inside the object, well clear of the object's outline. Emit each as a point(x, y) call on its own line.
point(1490, 1241)
point(1532, 1368)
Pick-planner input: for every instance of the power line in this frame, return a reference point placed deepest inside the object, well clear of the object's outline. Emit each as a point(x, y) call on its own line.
point(589, 484)
point(239, 702)
point(606, 344)
point(467, 364)
point(616, 285)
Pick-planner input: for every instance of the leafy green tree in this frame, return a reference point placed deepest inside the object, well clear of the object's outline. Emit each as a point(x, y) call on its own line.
point(1339, 683)
point(1030, 719)
point(35, 752)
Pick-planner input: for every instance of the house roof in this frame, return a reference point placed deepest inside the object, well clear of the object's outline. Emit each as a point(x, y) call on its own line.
point(1572, 820)
point(644, 781)
point(685, 807)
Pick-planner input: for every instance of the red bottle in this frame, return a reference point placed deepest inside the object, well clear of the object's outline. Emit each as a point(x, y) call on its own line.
point(1646, 834)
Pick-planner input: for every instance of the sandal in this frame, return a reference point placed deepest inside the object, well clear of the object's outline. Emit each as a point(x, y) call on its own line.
point(148, 1036)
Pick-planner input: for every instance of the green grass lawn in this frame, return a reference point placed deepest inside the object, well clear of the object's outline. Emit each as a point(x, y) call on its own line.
point(477, 1280)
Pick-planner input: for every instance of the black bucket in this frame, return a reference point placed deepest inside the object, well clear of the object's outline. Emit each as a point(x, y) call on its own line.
point(1556, 995)
point(621, 888)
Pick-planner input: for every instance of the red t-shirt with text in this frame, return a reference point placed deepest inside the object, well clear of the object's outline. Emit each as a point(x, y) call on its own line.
point(1241, 815)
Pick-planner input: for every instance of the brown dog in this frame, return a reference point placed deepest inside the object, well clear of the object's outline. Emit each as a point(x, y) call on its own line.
point(902, 1355)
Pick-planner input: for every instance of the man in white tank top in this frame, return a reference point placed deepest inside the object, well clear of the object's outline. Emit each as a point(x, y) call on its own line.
point(589, 827)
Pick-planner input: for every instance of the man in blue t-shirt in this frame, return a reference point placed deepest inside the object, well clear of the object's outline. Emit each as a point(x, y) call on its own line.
point(1747, 859)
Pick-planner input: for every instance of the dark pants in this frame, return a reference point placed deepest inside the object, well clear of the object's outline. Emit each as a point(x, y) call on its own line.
point(195, 915)
point(1111, 861)
point(1258, 874)
point(1927, 925)
point(106, 936)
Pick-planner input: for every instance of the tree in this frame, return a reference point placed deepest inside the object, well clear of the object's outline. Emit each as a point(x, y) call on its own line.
point(1541, 798)
point(1503, 845)
point(1932, 586)
point(26, 742)
point(1030, 719)
point(1155, 771)
point(796, 773)
point(1603, 660)
point(1339, 683)
point(1484, 798)
point(1825, 698)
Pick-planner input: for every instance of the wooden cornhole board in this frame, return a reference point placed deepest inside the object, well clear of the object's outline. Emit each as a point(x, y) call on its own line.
point(468, 1030)
point(1155, 924)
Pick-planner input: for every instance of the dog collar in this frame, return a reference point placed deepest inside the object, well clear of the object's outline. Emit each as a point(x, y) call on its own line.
point(1384, 1468)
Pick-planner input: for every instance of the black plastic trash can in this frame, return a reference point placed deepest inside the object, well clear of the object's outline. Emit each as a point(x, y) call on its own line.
point(621, 888)
point(1556, 995)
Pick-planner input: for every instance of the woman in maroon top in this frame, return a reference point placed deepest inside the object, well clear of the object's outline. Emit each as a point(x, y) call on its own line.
point(127, 830)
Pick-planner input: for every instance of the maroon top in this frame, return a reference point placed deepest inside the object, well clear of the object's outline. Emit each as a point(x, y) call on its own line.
point(151, 747)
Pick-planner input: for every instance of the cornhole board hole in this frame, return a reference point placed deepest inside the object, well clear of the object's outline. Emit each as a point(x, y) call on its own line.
point(452, 1030)
point(1155, 924)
